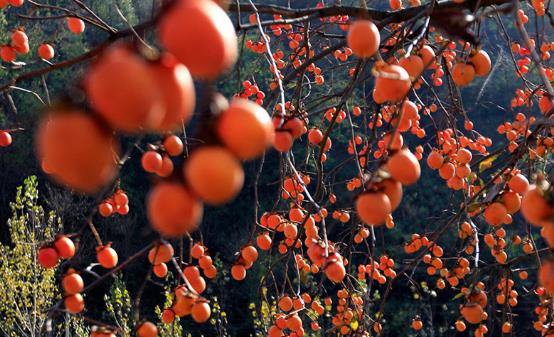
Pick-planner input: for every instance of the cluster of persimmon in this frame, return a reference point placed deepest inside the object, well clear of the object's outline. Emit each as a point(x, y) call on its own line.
point(116, 203)
point(185, 303)
point(252, 90)
point(205, 262)
point(157, 159)
point(73, 284)
point(378, 271)
point(20, 42)
point(49, 255)
point(19, 45)
point(158, 256)
point(15, 3)
point(246, 258)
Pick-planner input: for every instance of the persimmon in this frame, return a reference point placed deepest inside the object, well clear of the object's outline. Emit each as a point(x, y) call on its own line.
point(160, 270)
point(417, 324)
point(204, 28)
point(197, 251)
point(151, 161)
point(427, 55)
point(65, 247)
point(481, 63)
point(214, 174)
point(285, 303)
point(183, 305)
point(294, 322)
point(167, 167)
point(463, 74)
point(274, 331)
point(19, 38)
point(177, 92)
point(16, 3)
point(463, 156)
point(393, 189)
point(495, 214)
point(201, 312)
point(173, 210)
point(534, 208)
point(363, 38)
point(315, 136)
point(335, 271)
point(7, 53)
point(283, 141)
point(238, 272)
point(404, 167)
point(472, 312)
point(447, 171)
point(512, 202)
point(105, 209)
point(249, 253)
point(413, 64)
point(75, 25)
point(392, 83)
point(546, 275)
point(295, 126)
point(168, 316)
point(245, 128)
point(147, 329)
point(122, 89)
point(373, 208)
point(73, 283)
point(5, 139)
point(106, 256)
point(47, 257)
point(160, 253)
point(78, 150)
point(519, 183)
point(545, 102)
point(74, 304)
point(46, 51)
point(173, 145)
point(121, 198)
point(263, 241)
point(435, 160)
point(22, 48)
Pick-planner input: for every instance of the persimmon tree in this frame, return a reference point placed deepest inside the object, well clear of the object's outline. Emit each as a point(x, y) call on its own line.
point(349, 99)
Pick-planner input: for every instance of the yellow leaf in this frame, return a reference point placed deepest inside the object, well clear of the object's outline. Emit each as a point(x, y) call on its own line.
point(487, 163)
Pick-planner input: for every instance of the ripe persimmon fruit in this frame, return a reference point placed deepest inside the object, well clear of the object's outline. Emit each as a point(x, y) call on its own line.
point(72, 283)
point(106, 256)
point(147, 329)
point(123, 90)
point(160, 253)
point(214, 174)
point(534, 208)
point(404, 167)
point(373, 208)
point(201, 35)
point(201, 312)
point(65, 247)
point(177, 92)
point(47, 257)
point(74, 304)
point(173, 210)
point(463, 74)
point(481, 62)
point(363, 38)
point(75, 25)
point(78, 150)
point(245, 128)
point(392, 83)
